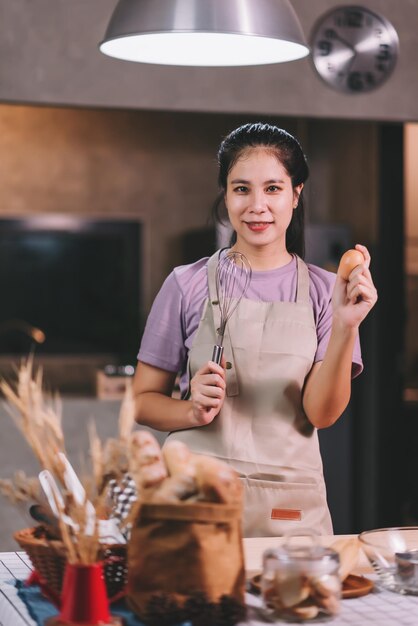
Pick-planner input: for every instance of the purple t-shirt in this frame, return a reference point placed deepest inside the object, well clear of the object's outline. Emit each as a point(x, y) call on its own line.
point(177, 309)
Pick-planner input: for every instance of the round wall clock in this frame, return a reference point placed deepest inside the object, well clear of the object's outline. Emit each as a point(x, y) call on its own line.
point(354, 50)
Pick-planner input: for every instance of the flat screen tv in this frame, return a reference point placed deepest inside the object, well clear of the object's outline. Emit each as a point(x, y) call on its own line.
point(76, 280)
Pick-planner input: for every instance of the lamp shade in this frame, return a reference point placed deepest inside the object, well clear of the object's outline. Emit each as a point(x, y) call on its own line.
point(205, 32)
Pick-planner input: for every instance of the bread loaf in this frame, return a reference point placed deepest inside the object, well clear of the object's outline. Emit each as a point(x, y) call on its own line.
point(146, 462)
point(178, 459)
point(175, 474)
point(174, 489)
point(217, 481)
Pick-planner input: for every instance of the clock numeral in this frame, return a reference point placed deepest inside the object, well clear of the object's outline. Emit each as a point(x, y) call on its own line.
point(384, 52)
point(324, 47)
point(330, 33)
point(330, 68)
point(355, 81)
point(378, 32)
point(350, 19)
point(370, 80)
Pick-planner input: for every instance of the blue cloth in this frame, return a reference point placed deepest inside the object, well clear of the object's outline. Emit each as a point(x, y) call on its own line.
point(40, 609)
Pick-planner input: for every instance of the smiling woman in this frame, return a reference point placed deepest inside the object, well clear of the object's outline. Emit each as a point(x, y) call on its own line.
point(291, 346)
point(260, 199)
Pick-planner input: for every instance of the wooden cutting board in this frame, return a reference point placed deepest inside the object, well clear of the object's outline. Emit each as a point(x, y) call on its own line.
point(353, 586)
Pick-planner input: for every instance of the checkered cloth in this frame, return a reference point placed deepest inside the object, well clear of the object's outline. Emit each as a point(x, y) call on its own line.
point(122, 494)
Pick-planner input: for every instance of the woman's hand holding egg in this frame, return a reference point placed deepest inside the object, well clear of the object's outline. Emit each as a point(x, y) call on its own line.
point(354, 293)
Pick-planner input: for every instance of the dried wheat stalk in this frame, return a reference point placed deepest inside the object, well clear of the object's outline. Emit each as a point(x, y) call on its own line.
point(111, 459)
point(39, 419)
point(127, 415)
point(20, 488)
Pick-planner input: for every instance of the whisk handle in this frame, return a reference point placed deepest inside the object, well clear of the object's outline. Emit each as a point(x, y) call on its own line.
point(217, 354)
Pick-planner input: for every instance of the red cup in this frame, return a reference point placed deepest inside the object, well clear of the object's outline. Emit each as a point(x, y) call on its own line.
point(83, 597)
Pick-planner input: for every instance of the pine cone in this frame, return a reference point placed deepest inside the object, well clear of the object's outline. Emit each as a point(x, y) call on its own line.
point(200, 611)
point(230, 611)
point(162, 610)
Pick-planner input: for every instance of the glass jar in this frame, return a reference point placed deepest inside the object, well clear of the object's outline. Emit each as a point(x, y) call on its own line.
point(300, 581)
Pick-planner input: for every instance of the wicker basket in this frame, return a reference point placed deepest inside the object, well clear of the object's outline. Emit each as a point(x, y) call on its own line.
point(49, 560)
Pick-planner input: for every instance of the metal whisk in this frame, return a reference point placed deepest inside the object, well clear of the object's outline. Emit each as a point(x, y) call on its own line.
point(233, 275)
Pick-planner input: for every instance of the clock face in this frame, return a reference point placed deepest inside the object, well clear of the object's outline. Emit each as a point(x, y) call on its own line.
point(353, 49)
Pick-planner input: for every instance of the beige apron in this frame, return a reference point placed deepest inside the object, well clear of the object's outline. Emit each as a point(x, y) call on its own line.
point(262, 430)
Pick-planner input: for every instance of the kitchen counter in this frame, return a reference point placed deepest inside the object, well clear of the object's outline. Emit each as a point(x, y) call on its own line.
point(380, 607)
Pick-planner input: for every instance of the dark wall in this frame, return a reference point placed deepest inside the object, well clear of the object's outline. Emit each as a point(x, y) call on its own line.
point(381, 439)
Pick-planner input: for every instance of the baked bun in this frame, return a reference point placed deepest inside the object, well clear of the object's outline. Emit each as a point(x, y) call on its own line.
point(146, 462)
point(178, 458)
point(217, 481)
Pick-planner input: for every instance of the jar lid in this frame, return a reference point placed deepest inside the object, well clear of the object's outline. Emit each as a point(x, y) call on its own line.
point(301, 553)
point(301, 549)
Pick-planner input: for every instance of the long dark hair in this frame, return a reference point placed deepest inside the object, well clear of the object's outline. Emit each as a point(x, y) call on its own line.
point(287, 150)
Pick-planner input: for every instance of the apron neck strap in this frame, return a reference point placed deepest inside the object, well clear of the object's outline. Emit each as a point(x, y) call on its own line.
point(212, 264)
point(302, 289)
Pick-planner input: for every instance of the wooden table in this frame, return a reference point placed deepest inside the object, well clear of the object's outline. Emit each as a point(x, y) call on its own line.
point(382, 608)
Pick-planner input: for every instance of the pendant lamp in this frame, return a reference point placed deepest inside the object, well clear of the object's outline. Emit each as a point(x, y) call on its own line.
point(205, 32)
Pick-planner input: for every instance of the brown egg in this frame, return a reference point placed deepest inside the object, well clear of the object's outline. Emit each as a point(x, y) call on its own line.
point(348, 262)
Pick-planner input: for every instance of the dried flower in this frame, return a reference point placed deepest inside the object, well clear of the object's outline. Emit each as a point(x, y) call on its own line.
point(38, 416)
point(20, 488)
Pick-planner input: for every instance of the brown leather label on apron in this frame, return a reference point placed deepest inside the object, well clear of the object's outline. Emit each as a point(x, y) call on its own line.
point(293, 515)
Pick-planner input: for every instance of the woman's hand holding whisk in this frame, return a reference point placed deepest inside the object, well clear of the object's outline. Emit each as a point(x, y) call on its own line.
point(207, 392)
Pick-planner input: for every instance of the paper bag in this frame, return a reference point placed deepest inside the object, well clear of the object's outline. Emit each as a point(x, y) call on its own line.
point(180, 550)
